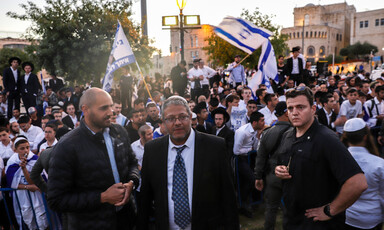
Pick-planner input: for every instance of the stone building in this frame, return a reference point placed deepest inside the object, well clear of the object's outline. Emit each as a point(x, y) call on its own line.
point(14, 43)
point(323, 30)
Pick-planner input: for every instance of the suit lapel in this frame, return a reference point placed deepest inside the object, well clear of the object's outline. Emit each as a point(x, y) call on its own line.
point(197, 171)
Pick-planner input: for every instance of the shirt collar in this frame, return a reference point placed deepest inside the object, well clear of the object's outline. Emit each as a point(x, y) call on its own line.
point(250, 128)
point(188, 143)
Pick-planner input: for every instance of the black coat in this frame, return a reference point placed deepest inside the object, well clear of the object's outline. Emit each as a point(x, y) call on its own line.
point(9, 81)
point(68, 121)
point(322, 118)
point(229, 137)
point(80, 170)
point(32, 87)
point(213, 199)
point(179, 82)
point(56, 85)
point(289, 66)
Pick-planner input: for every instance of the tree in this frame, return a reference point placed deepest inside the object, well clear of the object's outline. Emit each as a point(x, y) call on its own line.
point(358, 50)
point(338, 59)
point(75, 36)
point(221, 52)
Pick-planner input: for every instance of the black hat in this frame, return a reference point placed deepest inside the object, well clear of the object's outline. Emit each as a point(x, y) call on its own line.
point(281, 108)
point(238, 55)
point(28, 63)
point(220, 110)
point(296, 48)
point(14, 58)
point(196, 60)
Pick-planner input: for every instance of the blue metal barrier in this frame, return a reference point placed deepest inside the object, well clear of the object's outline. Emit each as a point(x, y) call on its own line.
point(47, 210)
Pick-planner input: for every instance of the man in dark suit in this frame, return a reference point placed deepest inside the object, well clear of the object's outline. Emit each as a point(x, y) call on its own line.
point(221, 117)
point(327, 115)
point(11, 82)
point(56, 83)
point(30, 85)
point(202, 116)
point(294, 66)
point(179, 78)
point(186, 176)
point(72, 120)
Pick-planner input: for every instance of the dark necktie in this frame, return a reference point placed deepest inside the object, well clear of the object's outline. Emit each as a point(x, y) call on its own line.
point(180, 191)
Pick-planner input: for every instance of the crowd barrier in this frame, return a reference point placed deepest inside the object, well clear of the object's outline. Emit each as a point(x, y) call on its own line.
point(53, 221)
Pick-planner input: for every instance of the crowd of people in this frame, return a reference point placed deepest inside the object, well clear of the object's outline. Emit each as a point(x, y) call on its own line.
point(189, 151)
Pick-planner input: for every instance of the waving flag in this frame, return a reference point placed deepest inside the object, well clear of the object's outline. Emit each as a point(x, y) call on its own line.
point(121, 55)
point(267, 69)
point(242, 33)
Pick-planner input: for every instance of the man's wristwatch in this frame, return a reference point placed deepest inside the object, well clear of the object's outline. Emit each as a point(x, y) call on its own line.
point(134, 187)
point(327, 211)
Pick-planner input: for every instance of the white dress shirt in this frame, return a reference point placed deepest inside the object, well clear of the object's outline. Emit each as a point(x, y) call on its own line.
point(269, 116)
point(138, 150)
point(26, 77)
point(32, 133)
point(368, 210)
point(188, 155)
point(121, 119)
point(37, 141)
point(194, 73)
point(6, 150)
point(45, 145)
point(207, 73)
point(74, 120)
point(245, 140)
point(295, 66)
point(14, 71)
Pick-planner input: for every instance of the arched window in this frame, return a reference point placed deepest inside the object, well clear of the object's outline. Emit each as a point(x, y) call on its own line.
point(315, 34)
point(306, 20)
point(311, 51)
point(298, 35)
point(311, 34)
point(322, 50)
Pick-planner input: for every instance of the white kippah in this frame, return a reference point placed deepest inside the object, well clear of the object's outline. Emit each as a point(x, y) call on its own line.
point(354, 124)
point(194, 116)
point(19, 139)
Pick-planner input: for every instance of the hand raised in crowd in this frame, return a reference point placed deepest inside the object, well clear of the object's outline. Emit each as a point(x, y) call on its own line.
point(113, 194)
point(23, 162)
point(128, 189)
point(259, 185)
point(281, 172)
point(317, 214)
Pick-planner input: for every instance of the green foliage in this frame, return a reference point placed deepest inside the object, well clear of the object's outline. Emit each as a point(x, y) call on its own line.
point(338, 59)
point(221, 52)
point(358, 50)
point(76, 36)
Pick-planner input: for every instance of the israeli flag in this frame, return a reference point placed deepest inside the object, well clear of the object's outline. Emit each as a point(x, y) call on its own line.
point(242, 33)
point(121, 55)
point(267, 69)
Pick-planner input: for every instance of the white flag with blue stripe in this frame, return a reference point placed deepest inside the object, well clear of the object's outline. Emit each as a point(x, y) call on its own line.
point(121, 55)
point(267, 69)
point(242, 33)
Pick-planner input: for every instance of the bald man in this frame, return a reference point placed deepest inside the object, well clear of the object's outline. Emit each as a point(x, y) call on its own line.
point(93, 169)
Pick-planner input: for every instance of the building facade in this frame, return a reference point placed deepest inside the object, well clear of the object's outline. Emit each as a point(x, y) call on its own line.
point(321, 30)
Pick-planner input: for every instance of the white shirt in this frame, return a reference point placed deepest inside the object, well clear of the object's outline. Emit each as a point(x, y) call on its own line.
point(6, 150)
point(368, 210)
point(328, 116)
point(45, 145)
point(32, 133)
point(37, 141)
point(207, 73)
point(269, 116)
point(138, 149)
point(245, 140)
point(377, 109)
point(194, 73)
point(219, 129)
point(26, 77)
point(295, 66)
point(350, 111)
point(188, 156)
point(74, 120)
point(121, 119)
point(14, 71)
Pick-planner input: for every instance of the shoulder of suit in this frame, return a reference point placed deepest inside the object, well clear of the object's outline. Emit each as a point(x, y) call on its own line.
point(209, 138)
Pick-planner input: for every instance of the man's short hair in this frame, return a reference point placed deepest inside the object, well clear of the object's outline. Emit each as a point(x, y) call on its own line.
point(373, 85)
point(351, 90)
point(259, 92)
point(49, 117)
point(252, 102)
point(300, 91)
point(52, 126)
point(231, 98)
point(255, 116)
point(245, 88)
point(151, 104)
point(175, 100)
point(134, 111)
point(138, 101)
point(2, 129)
point(23, 120)
point(325, 98)
point(199, 107)
point(214, 102)
point(268, 97)
point(379, 88)
point(143, 129)
point(116, 101)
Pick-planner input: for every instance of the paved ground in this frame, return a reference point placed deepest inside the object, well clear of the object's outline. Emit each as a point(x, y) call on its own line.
point(257, 222)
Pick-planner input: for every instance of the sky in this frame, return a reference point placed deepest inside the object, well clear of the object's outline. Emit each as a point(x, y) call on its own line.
point(211, 12)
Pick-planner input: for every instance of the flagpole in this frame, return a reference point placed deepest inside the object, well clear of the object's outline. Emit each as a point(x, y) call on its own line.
point(145, 83)
point(244, 59)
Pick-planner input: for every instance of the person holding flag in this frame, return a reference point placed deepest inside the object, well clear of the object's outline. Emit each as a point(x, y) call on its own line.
point(237, 73)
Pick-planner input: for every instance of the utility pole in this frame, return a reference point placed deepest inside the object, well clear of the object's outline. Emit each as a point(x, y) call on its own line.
point(144, 19)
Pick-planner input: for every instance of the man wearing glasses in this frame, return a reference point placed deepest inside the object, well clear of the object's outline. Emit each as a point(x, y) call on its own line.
point(186, 176)
point(320, 177)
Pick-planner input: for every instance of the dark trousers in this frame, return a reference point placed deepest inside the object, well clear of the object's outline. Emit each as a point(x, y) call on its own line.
point(195, 93)
point(13, 99)
point(273, 194)
point(297, 78)
point(247, 180)
point(29, 100)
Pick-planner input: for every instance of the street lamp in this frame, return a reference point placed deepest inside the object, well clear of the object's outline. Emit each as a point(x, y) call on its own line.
point(181, 4)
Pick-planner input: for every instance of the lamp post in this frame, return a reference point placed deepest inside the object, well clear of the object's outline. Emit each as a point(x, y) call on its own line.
point(181, 4)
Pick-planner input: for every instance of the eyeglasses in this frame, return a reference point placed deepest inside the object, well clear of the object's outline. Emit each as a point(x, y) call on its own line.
point(171, 120)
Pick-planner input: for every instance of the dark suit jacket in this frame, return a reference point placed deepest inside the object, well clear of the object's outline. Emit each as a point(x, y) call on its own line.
point(32, 86)
point(322, 118)
point(213, 198)
point(179, 82)
point(9, 80)
point(229, 137)
point(202, 129)
point(56, 86)
point(68, 121)
point(289, 66)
